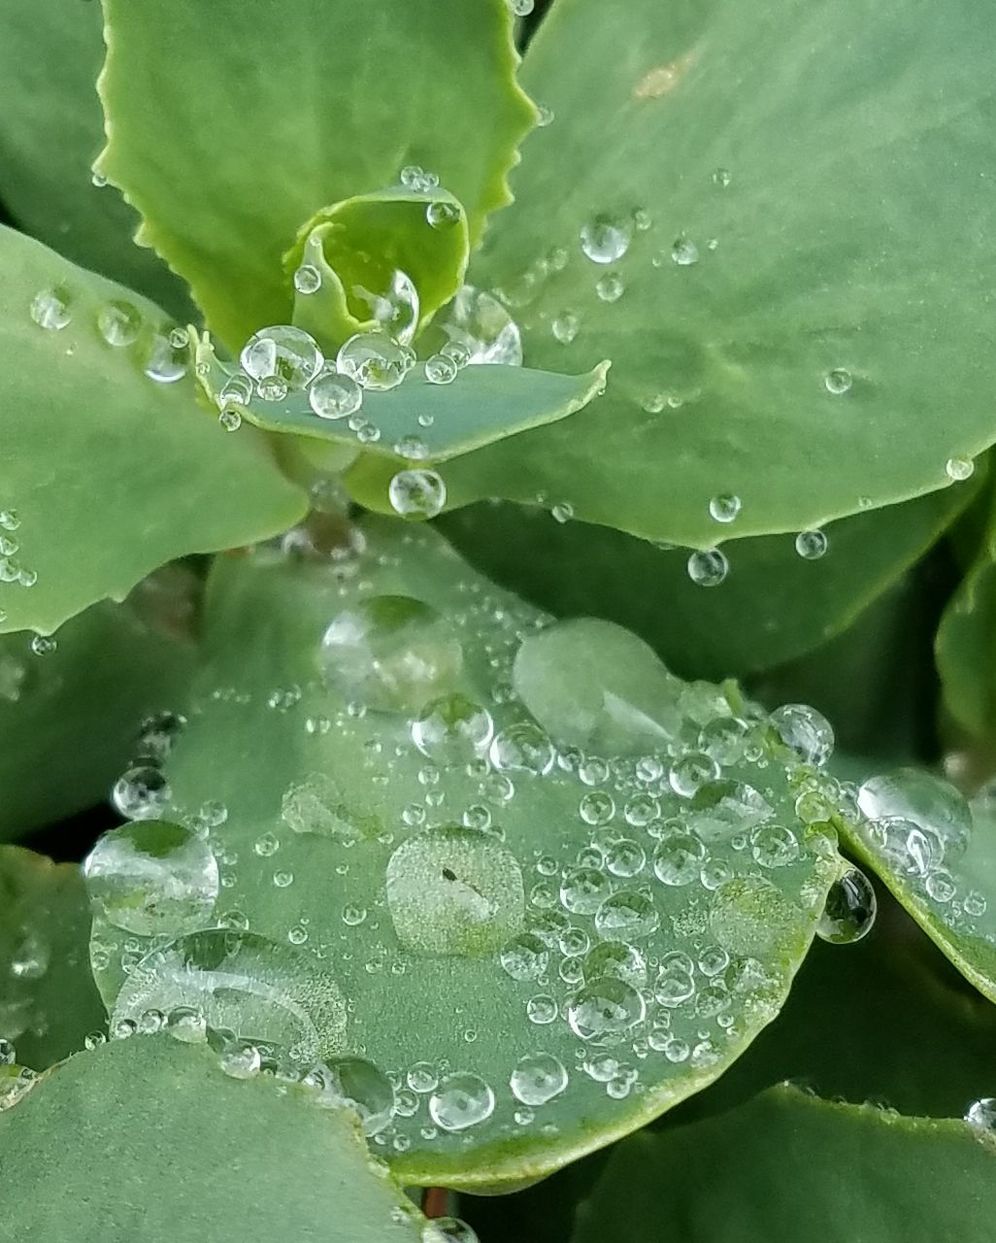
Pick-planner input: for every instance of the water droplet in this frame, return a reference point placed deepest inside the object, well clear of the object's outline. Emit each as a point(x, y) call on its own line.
point(523, 747)
point(912, 795)
point(374, 360)
point(264, 993)
point(460, 1101)
point(157, 735)
point(584, 889)
point(307, 279)
point(541, 1009)
point(283, 353)
point(391, 653)
point(151, 878)
point(237, 388)
point(691, 772)
point(811, 545)
point(240, 1060)
point(417, 493)
point(452, 729)
point(442, 214)
point(959, 468)
point(440, 369)
point(482, 326)
point(627, 914)
point(606, 239)
point(610, 287)
point(774, 846)
point(359, 1085)
point(521, 8)
point(525, 957)
point(186, 1024)
point(119, 323)
point(805, 731)
point(678, 857)
point(165, 360)
point(50, 309)
point(725, 507)
point(451, 1229)
point(538, 1078)
point(334, 396)
point(15, 1083)
point(981, 1114)
point(617, 959)
point(850, 909)
point(414, 177)
point(43, 644)
point(141, 792)
point(708, 567)
point(684, 252)
point(605, 1010)
point(454, 891)
point(565, 327)
point(838, 381)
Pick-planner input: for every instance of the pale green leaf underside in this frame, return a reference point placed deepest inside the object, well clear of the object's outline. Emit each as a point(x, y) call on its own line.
point(772, 607)
point(76, 710)
point(343, 96)
point(51, 130)
point(260, 695)
point(787, 1166)
point(155, 1143)
point(111, 474)
point(48, 1000)
point(852, 235)
point(963, 924)
point(483, 404)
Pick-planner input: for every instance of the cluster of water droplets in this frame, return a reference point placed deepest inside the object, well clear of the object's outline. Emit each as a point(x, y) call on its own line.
point(685, 846)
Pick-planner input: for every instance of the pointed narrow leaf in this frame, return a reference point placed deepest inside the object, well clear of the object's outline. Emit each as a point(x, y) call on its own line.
point(344, 96)
point(107, 472)
point(803, 314)
point(156, 1143)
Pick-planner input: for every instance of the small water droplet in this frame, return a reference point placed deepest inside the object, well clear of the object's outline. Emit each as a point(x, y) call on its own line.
point(725, 507)
point(606, 239)
point(838, 381)
point(959, 468)
point(417, 493)
point(141, 792)
point(442, 214)
point(538, 1078)
point(307, 279)
point(440, 369)
point(610, 287)
point(565, 327)
point(374, 360)
point(119, 323)
point(810, 545)
point(50, 309)
point(708, 567)
point(684, 252)
point(461, 1100)
point(605, 1010)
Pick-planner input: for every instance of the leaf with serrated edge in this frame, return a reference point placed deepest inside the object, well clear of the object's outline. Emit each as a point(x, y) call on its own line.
point(344, 96)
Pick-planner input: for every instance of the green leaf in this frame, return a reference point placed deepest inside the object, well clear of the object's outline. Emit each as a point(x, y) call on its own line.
point(157, 1143)
point(342, 852)
point(110, 473)
point(72, 713)
point(788, 1166)
point(48, 1000)
point(51, 130)
point(887, 1019)
point(828, 171)
point(483, 404)
point(344, 97)
point(772, 607)
point(357, 248)
point(937, 854)
point(966, 638)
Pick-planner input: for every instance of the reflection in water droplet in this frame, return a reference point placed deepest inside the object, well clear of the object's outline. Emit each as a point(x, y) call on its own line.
point(417, 493)
point(264, 993)
point(460, 1101)
point(538, 1078)
point(454, 891)
point(708, 567)
point(359, 1085)
point(838, 381)
point(850, 910)
point(452, 729)
point(141, 792)
point(392, 653)
point(119, 323)
point(152, 878)
point(805, 731)
point(334, 396)
point(913, 795)
point(606, 239)
point(605, 1010)
point(811, 545)
point(50, 309)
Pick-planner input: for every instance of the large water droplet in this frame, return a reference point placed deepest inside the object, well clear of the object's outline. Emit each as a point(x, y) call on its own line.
point(524, 748)
point(119, 323)
point(460, 1101)
point(50, 309)
point(478, 322)
point(153, 878)
point(391, 652)
point(454, 891)
point(925, 800)
point(452, 729)
point(417, 493)
point(805, 731)
point(360, 1086)
point(283, 353)
point(141, 792)
point(850, 910)
point(374, 360)
point(538, 1078)
point(606, 238)
point(981, 1114)
point(605, 1010)
point(708, 567)
point(267, 994)
point(334, 396)
point(627, 914)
